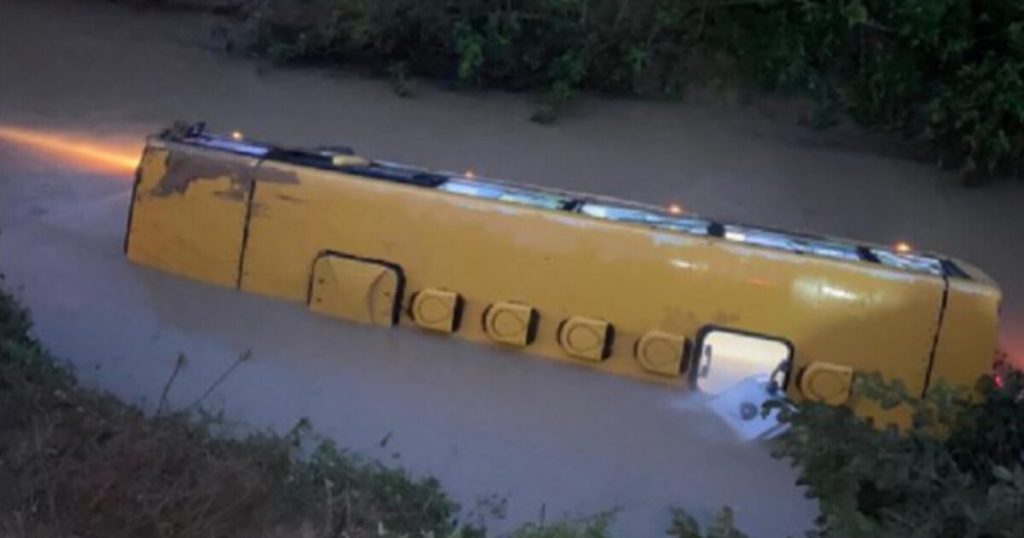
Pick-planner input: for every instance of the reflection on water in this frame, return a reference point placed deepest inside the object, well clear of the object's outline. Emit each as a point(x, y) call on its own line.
point(75, 151)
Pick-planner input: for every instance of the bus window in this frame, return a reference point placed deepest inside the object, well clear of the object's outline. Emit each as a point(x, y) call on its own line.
point(493, 191)
point(792, 243)
point(909, 262)
point(394, 172)
point(729, 358)
point(472, 188)
point(646, 217)
point(240, 147)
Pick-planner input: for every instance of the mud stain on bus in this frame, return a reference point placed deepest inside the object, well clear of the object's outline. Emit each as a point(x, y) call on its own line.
point(185, 167)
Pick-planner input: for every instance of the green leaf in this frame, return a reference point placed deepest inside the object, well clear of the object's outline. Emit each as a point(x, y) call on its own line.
point(856, 13)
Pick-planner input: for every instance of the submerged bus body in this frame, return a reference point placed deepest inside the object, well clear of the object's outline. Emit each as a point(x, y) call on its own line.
point(622, 287)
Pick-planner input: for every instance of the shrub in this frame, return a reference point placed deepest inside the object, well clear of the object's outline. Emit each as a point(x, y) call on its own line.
point(957, 471)
point(949, 71)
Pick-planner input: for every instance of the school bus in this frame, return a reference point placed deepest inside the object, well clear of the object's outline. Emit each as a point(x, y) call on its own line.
point(622, 287)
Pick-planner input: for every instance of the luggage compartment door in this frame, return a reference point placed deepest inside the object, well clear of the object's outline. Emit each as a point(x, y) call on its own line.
point(356, 289)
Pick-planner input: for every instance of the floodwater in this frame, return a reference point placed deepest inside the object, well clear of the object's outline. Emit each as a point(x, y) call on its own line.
point(547, 438)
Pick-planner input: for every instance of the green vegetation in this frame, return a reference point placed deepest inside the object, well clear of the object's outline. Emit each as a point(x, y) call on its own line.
point(957, 472)
point(948, 72)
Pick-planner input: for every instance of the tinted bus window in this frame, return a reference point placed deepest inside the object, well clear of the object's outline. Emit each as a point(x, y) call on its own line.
point(244, 148)
point(493, 191)
point(646, 217)
point(400, 174)
point(792, 243)
point(909, 262)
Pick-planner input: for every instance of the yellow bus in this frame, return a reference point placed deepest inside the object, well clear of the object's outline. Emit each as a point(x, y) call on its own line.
point(622, 287)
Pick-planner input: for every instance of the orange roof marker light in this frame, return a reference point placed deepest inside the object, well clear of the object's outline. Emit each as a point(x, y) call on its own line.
point(675, 209)
point(236, 135)
point(88, 155)
point(903, 247)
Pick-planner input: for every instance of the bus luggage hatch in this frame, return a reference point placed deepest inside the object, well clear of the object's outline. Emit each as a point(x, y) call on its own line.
point(741, 372)
point(355, 289)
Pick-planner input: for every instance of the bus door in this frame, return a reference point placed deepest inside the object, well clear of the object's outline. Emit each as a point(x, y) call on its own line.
point(740, 372)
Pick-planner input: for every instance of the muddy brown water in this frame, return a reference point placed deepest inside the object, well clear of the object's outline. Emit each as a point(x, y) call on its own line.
point(546, 437)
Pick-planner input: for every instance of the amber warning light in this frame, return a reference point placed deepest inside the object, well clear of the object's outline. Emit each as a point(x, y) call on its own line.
point(107, 157)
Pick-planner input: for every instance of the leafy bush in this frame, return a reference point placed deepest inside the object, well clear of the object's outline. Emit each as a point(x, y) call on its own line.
point(948, 71)
point(957, 471)
point(557, 44)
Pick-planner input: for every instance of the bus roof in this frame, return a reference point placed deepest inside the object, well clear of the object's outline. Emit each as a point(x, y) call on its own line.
point(590, 205)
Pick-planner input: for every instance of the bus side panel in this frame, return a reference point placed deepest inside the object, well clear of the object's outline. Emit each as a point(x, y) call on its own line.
point(565, 264)
point(188, 212)
point(967, 343)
